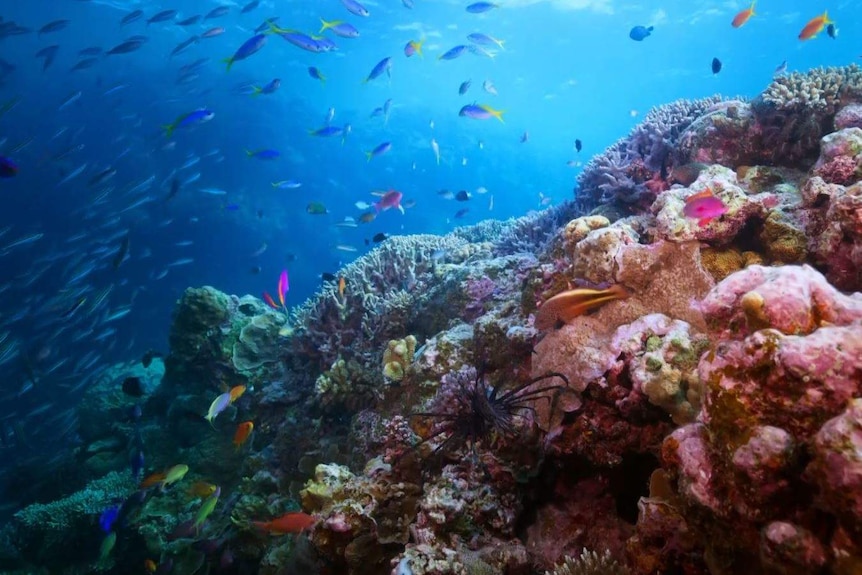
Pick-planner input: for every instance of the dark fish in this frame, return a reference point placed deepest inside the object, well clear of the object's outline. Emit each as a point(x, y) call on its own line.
point(122, 252)
point(461, 213)
point(190, 20)
point(250, 6)
point(103, 176)
point(175, 189)
point(84, 64)
point(716, 65)
point(217, 12)
point(185, 530)
point(91, 51)
point(327, 277)
point(125, 47)
point(8, 168)
point(132, 386)
point(48, 53)
point(135, 412)
point(687, 173)
point(462, 89)
point(832, 31)
point(379, 237)
point(256, 270)
point(54, 26)
point(578, 145)
point(462, 196)
point(131, 17)
point(75, 307)
point(638, 33)
point(149, 357)
point(162, 16)
point(183, 45)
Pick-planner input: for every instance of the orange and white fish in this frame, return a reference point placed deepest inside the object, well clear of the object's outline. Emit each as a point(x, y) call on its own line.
point(815, 26)
point(566, 306)
point(743, 16)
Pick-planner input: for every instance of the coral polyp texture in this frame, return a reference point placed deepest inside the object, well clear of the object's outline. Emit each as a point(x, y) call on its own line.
point(419, 419)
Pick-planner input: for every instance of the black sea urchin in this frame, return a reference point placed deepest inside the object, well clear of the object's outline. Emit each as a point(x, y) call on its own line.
point(475, 412)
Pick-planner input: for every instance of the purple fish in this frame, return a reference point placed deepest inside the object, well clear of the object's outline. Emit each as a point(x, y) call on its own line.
point(301, 40)
point(109, 517)
point(704, 207)
point(384, 65)
point(162, 16)
point(356, 8)
point(339, 28)
point(217, 12)
point(480, 112)
point(190, 20)
point(249, 47)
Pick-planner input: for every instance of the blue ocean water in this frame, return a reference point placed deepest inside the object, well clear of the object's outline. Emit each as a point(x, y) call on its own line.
point(75, 300)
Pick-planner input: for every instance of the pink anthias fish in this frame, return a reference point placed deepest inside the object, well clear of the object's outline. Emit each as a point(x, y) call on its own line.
point(391, 199)
point(704, 207)
point(283, 288)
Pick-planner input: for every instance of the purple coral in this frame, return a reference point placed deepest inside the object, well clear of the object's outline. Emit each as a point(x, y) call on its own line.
point(478, 292)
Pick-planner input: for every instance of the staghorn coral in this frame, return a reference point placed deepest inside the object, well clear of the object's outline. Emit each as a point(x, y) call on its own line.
point(397, 357)
point(621, 172)
point(590, 563)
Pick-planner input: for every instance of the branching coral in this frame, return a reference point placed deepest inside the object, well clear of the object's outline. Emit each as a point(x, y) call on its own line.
point(621, 172)
point(820, 90)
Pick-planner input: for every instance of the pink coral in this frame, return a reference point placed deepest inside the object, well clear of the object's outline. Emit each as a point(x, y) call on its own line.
point(842, 170)
point(791, 550)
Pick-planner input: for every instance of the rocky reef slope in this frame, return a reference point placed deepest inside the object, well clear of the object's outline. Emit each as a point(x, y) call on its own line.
point(709, 422)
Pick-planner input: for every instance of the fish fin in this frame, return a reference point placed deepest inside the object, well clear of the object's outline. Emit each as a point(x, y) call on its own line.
point(704, 221)
point(369, 155)
point(229, 62)
point(325, 25)
point(257, 91)
point(401, 209)
point(249, 153)
point(169, 129)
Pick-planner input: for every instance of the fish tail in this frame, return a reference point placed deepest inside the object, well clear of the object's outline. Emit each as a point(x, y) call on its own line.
point(498, 114)
point(418, 47)
point(169, 129)
point(256, 91)
point(826, 19)
point(369, 155)
point(325, 26)
point(249, 153)
point(229, 62)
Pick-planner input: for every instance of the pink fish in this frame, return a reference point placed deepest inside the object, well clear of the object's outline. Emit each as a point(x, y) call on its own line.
point(391, 199)
point(283, 287)
point(704, 207)
point(269, 301)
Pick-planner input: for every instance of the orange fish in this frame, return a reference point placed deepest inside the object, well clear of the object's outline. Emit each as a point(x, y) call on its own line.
point(243, 430)
point(151, 480)
point(236, 392)
point(201, 489)
point(815, 26)
point(566, 306)
point(293, 522)
point(341, 285)
point(743, 16)
point(150, 566)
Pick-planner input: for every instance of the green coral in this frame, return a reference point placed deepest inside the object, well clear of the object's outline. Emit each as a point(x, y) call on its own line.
point(66, 513)
point(344, 383)
point(259, 341)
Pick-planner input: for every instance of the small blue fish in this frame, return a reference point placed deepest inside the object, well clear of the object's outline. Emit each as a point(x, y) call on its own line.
point(327, 132)
point(480, 7)
point(316, 74)
point(638, 33)
point(264, 154)
point(109, 517)
point(188, 120)
point(339, 28)
point(300, 40)
point(356, 8)
point(379, 150)
point(485, 40)
point(269, 88)
point(462, 89)
point(287, 185)
point(453, 53)
point(384, 65)
point(249, 47)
